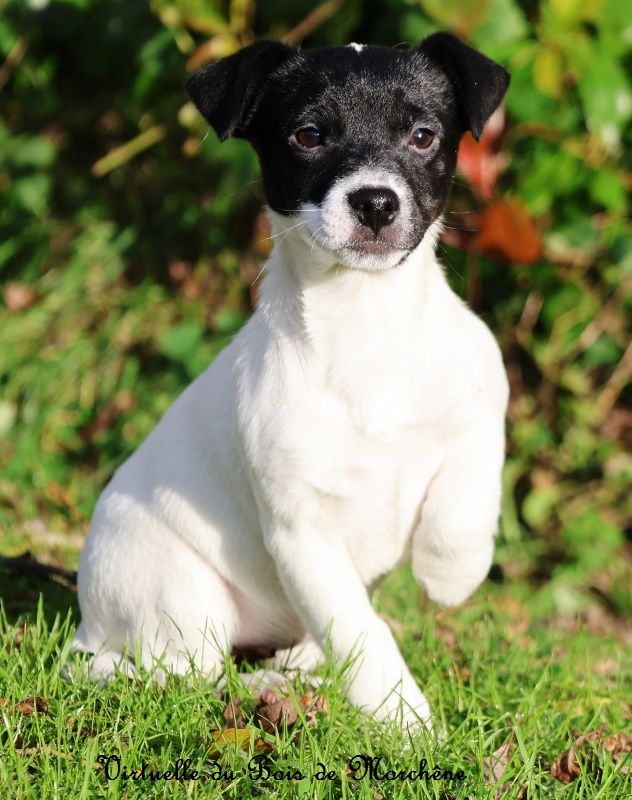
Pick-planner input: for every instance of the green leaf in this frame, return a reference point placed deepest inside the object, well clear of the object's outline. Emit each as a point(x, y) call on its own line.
point(567, 11)
point(604, 352)
point(7, 37)
point(614, 22)
point(504, 23)
point(181, 341)
point(524, 102)
point(591, 539)
point(548, 71)
point(32, 193)
point(413, 27)
point(607, 98)
point(228, 321)
point(8, 414)
point(32, 151)
point(607, 189)
point(539, 504)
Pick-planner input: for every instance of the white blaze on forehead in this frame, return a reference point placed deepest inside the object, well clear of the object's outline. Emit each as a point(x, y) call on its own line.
point(357, 47)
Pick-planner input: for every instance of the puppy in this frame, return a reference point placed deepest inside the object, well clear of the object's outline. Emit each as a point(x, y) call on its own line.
point(357, 420)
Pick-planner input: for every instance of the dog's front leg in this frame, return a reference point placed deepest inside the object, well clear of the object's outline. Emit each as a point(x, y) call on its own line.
point(454, 542)
point(327, 593)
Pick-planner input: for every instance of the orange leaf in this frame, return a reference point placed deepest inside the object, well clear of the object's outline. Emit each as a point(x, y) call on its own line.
point(481, 162)
point(507, 233)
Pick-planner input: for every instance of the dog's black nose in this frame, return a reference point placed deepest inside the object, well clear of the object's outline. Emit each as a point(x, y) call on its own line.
point(375, 206)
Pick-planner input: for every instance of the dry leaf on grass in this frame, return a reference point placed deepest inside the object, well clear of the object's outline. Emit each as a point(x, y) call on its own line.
point(617, 743)
point(233, 713)
point(317, 705)
point(19, 634)
point(608, 668)
point(273, 711)
point(460, 672)
point(30, 704)
point(567, 767)
point(494, 767)
point(19, 296)
point(75, 723)
point(234, 737)
point(446, 635)
point(504, 789)
point(44, 751)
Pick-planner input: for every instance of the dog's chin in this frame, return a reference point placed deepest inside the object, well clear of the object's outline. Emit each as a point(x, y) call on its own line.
point(370, 256)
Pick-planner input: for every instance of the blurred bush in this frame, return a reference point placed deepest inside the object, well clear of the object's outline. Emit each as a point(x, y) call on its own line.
point(129, 239)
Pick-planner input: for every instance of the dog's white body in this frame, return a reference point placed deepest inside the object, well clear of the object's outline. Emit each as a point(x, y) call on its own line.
point(355, 422)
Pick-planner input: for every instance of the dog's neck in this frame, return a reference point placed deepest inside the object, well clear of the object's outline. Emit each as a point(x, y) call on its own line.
point(355, 330)
point(310, 295)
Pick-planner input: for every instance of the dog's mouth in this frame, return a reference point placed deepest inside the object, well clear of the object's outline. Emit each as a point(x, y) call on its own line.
point(375, 247)
point(372, 255)
point(354, 245)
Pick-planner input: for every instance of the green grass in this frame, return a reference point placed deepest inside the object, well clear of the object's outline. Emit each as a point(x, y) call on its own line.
point(498, 664)
point(117, 291)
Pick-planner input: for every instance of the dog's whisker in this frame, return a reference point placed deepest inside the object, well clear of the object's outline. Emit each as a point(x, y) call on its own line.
point(314, 237)
point(287, 230)
point(447, 260)
point(261, 271)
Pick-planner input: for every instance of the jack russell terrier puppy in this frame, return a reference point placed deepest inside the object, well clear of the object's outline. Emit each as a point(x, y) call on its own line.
point(357, 420)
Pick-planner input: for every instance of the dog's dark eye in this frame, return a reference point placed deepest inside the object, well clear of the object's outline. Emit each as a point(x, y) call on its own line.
point(309, 137)
point(421, 138)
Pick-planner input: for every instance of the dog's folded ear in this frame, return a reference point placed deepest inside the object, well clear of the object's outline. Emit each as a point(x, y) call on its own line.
point(480, 83)
point(227, 93)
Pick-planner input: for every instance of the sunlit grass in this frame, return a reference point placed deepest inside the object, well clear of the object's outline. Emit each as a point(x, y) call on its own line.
point(492, 671)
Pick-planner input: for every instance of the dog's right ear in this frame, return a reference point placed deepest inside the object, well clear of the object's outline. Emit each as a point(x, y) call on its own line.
point(227, 93)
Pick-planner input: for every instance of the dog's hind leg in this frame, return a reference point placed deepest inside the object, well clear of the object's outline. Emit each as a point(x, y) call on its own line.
point(187, 628)
point(164, 604)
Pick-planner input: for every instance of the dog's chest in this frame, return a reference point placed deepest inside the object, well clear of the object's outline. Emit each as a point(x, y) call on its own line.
point(364, 486)
point(347, 401)
point(346, 445)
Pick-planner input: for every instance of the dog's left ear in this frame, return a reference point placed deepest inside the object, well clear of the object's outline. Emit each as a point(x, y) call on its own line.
point(480, 83)
point(227, 93)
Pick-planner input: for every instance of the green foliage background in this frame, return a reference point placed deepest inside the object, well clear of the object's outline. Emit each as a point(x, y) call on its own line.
point(129, 239)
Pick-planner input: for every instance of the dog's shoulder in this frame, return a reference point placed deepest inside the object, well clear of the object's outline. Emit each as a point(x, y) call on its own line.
point(467, 352)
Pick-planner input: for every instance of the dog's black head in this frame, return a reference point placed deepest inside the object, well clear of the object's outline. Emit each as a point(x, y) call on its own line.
point(357, 142)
